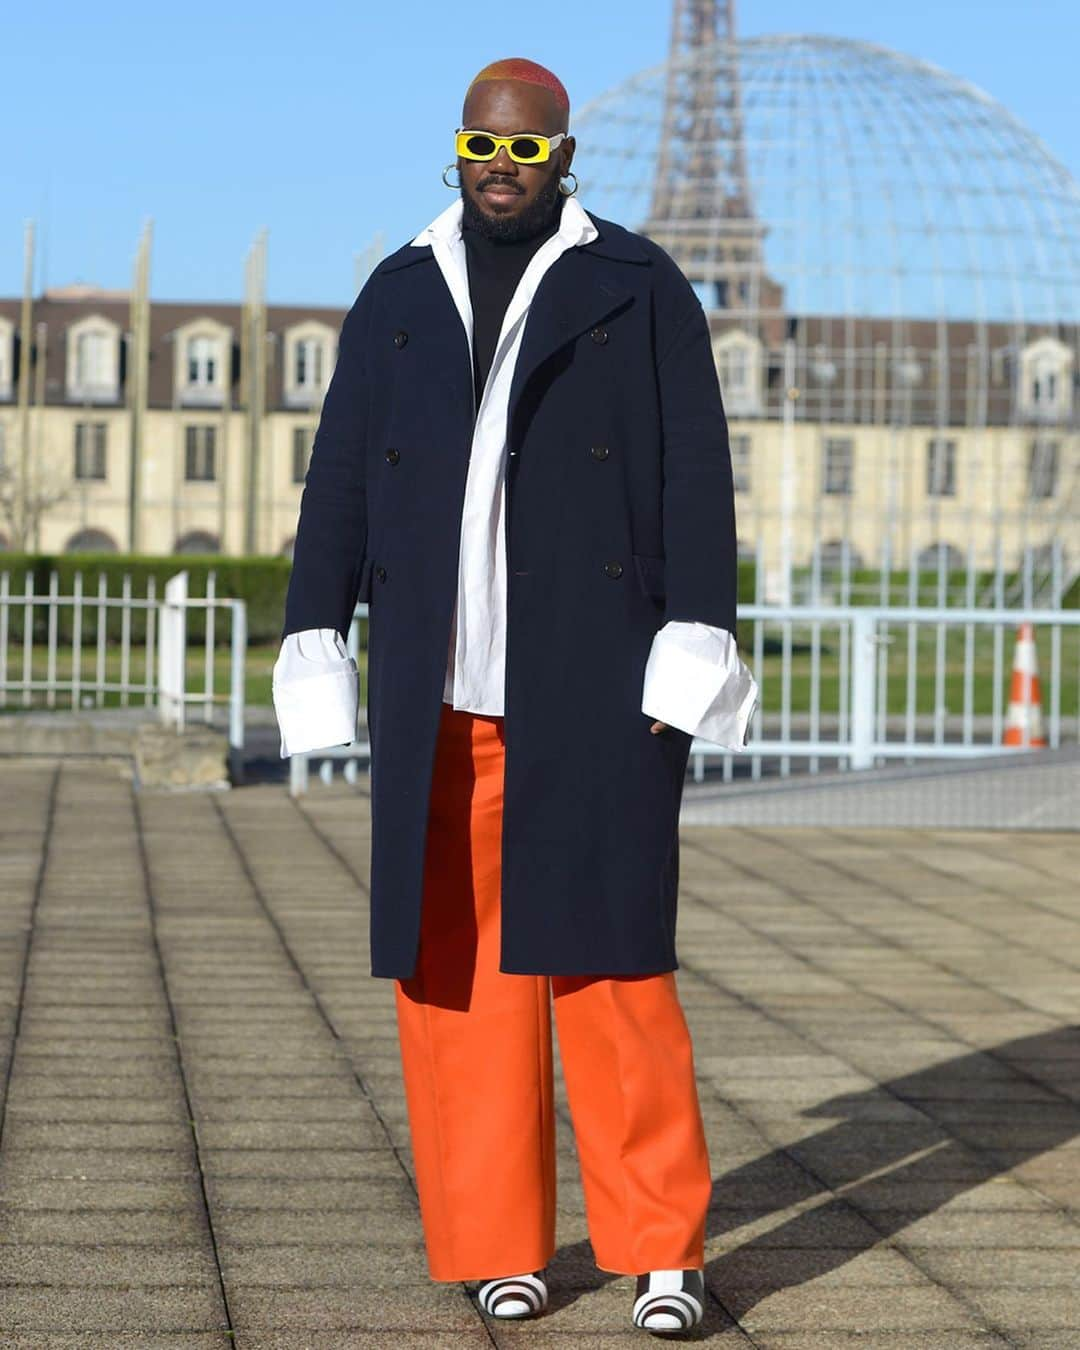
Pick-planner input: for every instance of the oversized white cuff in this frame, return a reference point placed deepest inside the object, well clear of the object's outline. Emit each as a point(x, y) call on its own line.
point(695, 680)
point(316, 691)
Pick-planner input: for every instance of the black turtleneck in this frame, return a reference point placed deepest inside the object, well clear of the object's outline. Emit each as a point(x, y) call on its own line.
point(494, 268)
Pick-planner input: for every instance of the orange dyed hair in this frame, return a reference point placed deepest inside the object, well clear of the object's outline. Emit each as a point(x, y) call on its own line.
point(517, 68)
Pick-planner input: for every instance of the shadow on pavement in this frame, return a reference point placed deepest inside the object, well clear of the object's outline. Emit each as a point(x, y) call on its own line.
point(947, 1129)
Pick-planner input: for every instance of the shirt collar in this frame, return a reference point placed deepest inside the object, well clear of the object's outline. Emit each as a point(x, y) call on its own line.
point(575, 227)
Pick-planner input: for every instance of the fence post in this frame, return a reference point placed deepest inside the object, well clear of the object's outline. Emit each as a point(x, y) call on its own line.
point(237, 691)
point(172, 651)
point(863, 662)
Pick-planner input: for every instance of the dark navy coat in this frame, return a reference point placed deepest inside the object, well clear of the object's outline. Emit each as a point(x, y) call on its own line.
point(620, 516)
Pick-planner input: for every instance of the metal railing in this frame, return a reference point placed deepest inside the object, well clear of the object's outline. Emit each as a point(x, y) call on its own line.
point(91, 649)
point(854, 687)
point(863, 685)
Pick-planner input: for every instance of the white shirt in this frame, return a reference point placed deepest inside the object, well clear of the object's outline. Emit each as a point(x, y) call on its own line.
point(694, 677)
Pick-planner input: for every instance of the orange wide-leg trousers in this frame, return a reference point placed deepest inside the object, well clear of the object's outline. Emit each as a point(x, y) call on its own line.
point(476, 1054)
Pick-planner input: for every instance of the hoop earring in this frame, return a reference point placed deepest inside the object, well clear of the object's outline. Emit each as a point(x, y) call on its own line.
point(445, 171)
point(569, 192)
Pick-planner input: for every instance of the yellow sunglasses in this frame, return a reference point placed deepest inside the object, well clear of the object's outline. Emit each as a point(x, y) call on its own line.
point(482, 145)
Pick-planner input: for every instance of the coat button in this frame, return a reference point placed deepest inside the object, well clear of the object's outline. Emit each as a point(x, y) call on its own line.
point(400, 338)
point(599, 452)
point(599, 334)
point(392, 456)
point(380, 573)
point(613, 569)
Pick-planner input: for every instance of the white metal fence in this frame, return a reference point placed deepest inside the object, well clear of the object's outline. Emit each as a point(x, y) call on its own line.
point(854, 686)
point(91, 649)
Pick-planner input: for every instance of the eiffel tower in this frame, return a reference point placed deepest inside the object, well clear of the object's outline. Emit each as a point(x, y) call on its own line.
point(701, 210)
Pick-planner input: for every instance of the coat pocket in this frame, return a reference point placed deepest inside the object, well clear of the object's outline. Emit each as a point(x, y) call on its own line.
point(363, 584)
point(650, 574)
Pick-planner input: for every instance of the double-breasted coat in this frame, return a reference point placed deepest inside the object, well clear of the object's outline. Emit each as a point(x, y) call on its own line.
point(619, 517)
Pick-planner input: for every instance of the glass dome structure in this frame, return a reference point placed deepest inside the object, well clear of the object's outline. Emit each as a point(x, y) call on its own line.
point(896, 249)
point(883, 185)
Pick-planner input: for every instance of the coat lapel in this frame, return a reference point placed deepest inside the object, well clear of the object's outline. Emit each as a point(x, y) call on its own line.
point(575, 294)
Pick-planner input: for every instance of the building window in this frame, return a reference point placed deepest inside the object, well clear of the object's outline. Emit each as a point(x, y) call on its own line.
point(837, 555)
point(92, 360)
point(738, 365)
point(92, 363)
point(202, 363)
point(7, 343)
point(90, 541)
point(1044, 388)
point(1042, 468)
point(740, 462)
point(839, 466)
point(301, 452)
point(307, 360)
point(308, 367)
point(90, 449)
point(939, 557)
point(200, 444)
point(941, 468)
point(198, 541)
point(1046, 392)
point(734, 367)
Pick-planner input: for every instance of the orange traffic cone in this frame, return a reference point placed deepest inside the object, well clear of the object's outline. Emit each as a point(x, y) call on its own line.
point(1023, 721)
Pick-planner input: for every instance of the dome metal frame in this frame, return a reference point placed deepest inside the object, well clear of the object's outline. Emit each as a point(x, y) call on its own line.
point(899, 247)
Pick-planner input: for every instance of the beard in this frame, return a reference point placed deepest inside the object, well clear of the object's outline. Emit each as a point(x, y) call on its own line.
point(538, 215)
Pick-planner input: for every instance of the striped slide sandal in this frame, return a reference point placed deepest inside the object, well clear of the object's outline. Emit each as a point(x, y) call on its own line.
point(669, 1301)
point(514, 1295)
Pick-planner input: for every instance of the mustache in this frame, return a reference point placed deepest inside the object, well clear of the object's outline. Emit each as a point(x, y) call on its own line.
point(507, 183)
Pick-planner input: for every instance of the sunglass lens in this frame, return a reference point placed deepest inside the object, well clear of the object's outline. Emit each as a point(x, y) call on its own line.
point(480, 145)
point(525, 148)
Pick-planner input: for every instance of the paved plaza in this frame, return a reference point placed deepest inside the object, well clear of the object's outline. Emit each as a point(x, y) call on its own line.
point(204, 1140)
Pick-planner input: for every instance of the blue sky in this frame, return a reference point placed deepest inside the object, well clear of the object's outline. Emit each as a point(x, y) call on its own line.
point(327, 124)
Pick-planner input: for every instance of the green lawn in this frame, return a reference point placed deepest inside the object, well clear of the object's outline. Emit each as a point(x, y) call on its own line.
point(769, 672)
point(261, 657)
point(257, 672)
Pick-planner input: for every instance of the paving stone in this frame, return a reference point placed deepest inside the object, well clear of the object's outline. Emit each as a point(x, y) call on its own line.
point(342, 1109)
point(100, 1164)
point(158, 1083)
point(852, 1309)
point(122, 1340)
point(888, 1083)
point(21, 1133)
point(325, 1163)
point(475, 1339)
point(751, 1266)
point(95, 1110)
point(324, 1266)
point(254, 1194)
point(428, 1308)
point(304, 1134)
point(1043, 1309)
point(175, 1228)
point(81, 1193)
point(105, 1264)
point(113, 1310)
point(385, 1226)
point(880, 1340)
point(987, 1229)
point(1001, 1268)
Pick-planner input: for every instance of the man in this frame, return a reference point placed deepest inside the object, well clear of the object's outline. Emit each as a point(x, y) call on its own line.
point(522, 466)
